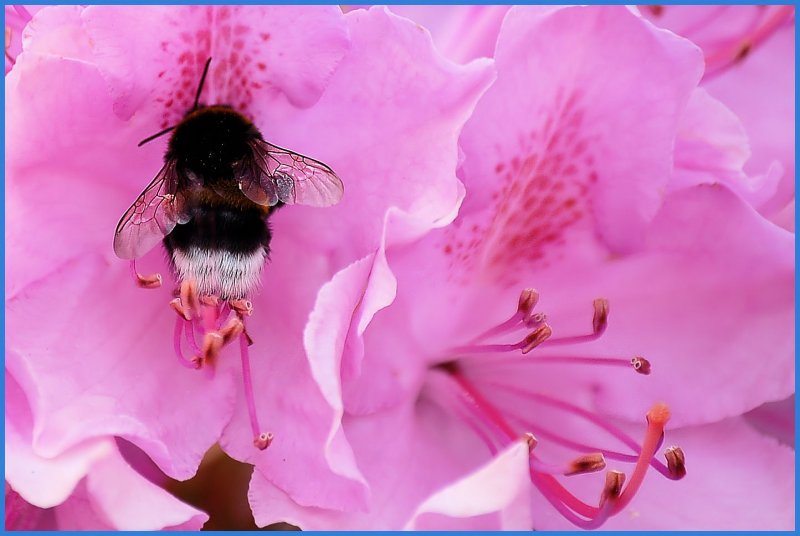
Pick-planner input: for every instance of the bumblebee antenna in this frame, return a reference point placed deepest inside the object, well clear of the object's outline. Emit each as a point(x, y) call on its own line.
point(196, 101)
point(200, 87)
point(154, 136)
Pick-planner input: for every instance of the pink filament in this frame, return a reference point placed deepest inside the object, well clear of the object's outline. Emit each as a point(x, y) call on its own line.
point(248, 385)
point(176, 343)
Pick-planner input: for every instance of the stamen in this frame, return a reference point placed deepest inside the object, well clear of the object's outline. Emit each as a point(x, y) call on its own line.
point(588, 463)
point(613, 487)
point(531, 341)
point(531, 440)
point(189, 298)
point(641, 365)
point(242, 307)
point(590, 417)
point(177, 306)
point(145, 281)
point(528, 299)
point(599, 324)
point(262, 439)
point(676, 462)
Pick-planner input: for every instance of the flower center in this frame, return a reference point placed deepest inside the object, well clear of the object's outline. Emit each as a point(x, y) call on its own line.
point(465, 384)
point(216, 323)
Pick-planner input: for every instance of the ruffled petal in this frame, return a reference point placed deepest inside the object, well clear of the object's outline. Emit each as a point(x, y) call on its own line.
point(493, 497)
point(260, 55)
point(560, 140)
point(710, 297)
point(391, 137)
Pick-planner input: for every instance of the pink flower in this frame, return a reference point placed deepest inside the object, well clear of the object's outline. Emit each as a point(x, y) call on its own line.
point(96, 351)
point(88, 487)
point(749, 54)
point(568, 159)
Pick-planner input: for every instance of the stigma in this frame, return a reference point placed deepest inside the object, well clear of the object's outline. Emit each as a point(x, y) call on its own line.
point(473, 381)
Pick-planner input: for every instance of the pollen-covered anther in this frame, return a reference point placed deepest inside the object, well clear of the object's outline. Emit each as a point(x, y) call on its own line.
point(145, 281)
point(600, 319)
point(536, 337)
point(232, 329)
point(613, 487)
point(676, 462)
point(641, 365)
point(535, 319)
point(212, 344)
point(209, 300)
point(177, 306)
point(242, 307)
point(528, 299)
point(189, 298)
point(588, 463)
point(531, 440)
point(263, 440)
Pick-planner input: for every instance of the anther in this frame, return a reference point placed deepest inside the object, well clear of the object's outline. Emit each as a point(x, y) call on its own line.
point(210, 300)
point(232, 329)
point(242, 307)
point(189, 298)
point(145, 281)
point(641, 365)
point(528, 299)
point(177, 306)
point(600, 319)
point(531, 440)
point(676, 462)
point(212, 344)
point(613, 487)
point(536, 337)
point(263, 440)
point(589, 463)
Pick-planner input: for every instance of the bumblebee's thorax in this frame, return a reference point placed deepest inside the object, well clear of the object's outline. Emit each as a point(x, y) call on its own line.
point(209, 141)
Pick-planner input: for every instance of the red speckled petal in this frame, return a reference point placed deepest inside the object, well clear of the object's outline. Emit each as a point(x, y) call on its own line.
point(260, 55)
point(575, 135)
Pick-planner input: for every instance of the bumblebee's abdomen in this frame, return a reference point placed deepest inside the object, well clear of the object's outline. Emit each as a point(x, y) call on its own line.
point(222, 248)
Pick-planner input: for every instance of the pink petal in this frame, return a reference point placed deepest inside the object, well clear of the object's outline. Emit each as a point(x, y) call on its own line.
point(736, 480)
point(58, 31)
point(461, 33)
point(577, 144)
point(712, 146)
point(775, 419)
point(711, 292)
point(115, 497)
point(309, 457)
point(497, 491)
point(82, 371)
point(406, 454)
point(758, 86)
point(761, 92)
point(261, 55)
point(41, 481)
point(391, 137)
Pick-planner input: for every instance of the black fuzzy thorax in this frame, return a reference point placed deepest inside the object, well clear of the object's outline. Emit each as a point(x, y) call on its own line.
point(206, 145)
point(209, 141)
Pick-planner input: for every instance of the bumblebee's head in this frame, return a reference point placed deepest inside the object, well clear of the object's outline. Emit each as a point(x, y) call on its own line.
point(210, 140)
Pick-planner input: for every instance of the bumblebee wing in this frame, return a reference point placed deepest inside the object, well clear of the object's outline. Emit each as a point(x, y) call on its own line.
point(152, 216)
point(278, 174)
